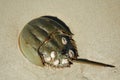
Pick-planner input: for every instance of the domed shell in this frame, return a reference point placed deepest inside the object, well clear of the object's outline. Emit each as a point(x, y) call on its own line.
point(41, 36)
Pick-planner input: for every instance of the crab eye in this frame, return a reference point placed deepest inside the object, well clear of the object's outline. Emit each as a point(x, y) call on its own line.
point(71, 53)
point(64, 41)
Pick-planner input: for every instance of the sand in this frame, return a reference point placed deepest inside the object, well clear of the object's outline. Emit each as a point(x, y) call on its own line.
point(96, 28)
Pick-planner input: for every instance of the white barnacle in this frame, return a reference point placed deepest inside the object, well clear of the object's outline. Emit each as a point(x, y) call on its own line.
point(56, 62)
point(47, 59)
point(71, 53)
point(64, 41)
point(65, 61)
point(53, 54)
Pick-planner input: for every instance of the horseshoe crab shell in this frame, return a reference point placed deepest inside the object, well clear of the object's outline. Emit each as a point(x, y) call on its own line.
point(48, 41)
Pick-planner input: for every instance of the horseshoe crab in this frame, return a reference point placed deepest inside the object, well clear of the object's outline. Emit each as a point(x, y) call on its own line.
point(48, 41)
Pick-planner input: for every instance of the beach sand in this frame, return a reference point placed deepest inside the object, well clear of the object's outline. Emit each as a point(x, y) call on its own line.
point(96, 28)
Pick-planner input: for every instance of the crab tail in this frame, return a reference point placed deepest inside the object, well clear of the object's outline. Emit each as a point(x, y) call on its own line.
point(86, 61)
